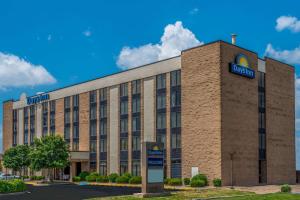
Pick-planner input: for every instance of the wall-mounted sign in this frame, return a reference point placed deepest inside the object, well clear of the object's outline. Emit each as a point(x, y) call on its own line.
point(241, 67)
point(37, 99)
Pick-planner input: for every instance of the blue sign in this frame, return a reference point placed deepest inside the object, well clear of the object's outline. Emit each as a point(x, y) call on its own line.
point(37, 99)
point(241, 67)
point(155, 162)
point(155, 157)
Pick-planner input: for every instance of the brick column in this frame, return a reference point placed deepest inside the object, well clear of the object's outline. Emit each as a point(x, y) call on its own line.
point(7, 124)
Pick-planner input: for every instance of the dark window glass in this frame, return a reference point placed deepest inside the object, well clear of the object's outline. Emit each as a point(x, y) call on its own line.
point(136, 168)
point(161, 121)
point(136, 143)
point(136, 105)
point(93, 146)
point(136, 87)
point(103, 168)
point(136, 123)
point(75, 116)
point(75, 145)
point(103, 94)
point(124, 90)
point(76, 100)
point(161, 81)
point(93, 112)
point(175, 78)
point(93, 129)
point(124, 108)
point(103, 127)
point(175, 119)
point(67, 102)
point(124, 144)
point(93, 96)
point(261, 118)
point(261, 79)
point(175, 98)
point(67, 133)
point(52, 106)
point(103, 145)
point(124, 125)
point(123, 167)
point(161, 138)
point(176, 140)
point(75, 132)
point(103, 110)
point(161, 100)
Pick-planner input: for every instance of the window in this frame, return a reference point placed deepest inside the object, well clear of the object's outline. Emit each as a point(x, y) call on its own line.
point(161, 100)
point(161, 138)
point(161, 81)
point(32, 110)
point(75, 132)
point(262, 141)
point(103, 168)
point(75, 116)
point(124, 108)
point(25, 112)
point(67, 102)
point(103, 145)
point(261, 79)
point(175, 119)
point(161, 121)
point(75, 145)
point(136, 143)
point(93, 96)
point(123, 167)
point(67, 118)
point(103, 127)
point(45, 120)
point(52, 106)
point(136, 105)
point(136, 168)
point(136, 87)
point(76, 100)
point(261, 99)
point(26, 137)
point(136, 123)
point(93, 129)
point(103, 109)
point(175, 98)
point(262, 122)
point(93, 112)
point(124, 90)
point(45, 107)
point(67, 133)
point(14, 139)
point(124, 125)
point(93, 146)
point(52, 119)
point(15, 114)
point(103, 94)
point(124, 144)
point(176, 141)
point(175, 78)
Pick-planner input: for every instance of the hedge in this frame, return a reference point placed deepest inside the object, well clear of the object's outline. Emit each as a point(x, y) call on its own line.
point(286, 188)
point(175, 181)
point(217, 182)
point(37, 178)
point(200, 177)
point(187, 181)
point(112, 177)
point(102, 179)
point(12, 186)
point(76, 178)
point(135, 180)
point(90, 178)
point(197, 183)
point(122, 179)
point(83, 175)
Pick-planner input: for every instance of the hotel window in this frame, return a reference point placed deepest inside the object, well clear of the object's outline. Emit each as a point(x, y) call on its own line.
point(262, 121)
point(76, 145)
point(175, 78)
point(45, 118)
point(93, 146)
point(103, 168)
point(103, 110)
point(124, 107)
point(32, 124)
point(67, 133)
point(136, 168)
point(136, 143)
point(75, 116)
point(67, 102)
point(103, 94)
point(136, 123)
point(93, 112)
point(103, 127)
point(161, 138)
point(52, 117)
point(136, 87)
point(76, 100)
point(176, 141)
point(93, 97)
point(124, 90)
point(175, 98)
point(75, 122)
point(26, 125)
point(124, 125)
point(103, 145)
point(175, 119)
point(136, 105)
point(261, 79)
point(161, 100)
point(75, 132)
point(93, 129)
point(261, 99)
point(124, 144)
point(161, 121)
point(15, 127)
point(161, 81)
point(123, 167)
point(67, 118)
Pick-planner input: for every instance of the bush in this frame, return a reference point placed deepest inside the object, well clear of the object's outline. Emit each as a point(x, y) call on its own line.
point(217, 182)
point(122, 179)
point(112, 177)
point(186, 181)
point(135, 180)
point(12, 186)
point(94, 174)
point(102, 179)
point(197, 183)
point(83, 175)
point(286, 188)
point(128, 175)
point(90, 178)
point(166, 181)
point(25, 177)
point(76, 178)
point(175, 181)
point(37, 178)
point(201, 177)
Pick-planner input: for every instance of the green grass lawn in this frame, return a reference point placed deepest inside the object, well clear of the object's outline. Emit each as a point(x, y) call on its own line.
point(188, 195)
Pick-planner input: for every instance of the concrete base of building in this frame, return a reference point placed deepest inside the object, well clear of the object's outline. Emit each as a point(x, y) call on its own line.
point(149, 195)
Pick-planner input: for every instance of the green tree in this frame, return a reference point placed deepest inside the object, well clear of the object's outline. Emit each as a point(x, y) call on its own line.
point(17, 158)
point(49, 152)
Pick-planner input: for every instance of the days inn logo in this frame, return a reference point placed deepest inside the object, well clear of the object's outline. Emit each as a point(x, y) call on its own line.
point(241, 67)
point(155, 148)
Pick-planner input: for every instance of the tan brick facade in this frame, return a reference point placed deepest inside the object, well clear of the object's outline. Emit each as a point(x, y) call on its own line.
point(59, 117)
point(280, 123)
point(7, 124)
point(84, 116)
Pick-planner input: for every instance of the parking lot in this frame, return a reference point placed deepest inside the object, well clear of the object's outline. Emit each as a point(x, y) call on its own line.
point(70, 191)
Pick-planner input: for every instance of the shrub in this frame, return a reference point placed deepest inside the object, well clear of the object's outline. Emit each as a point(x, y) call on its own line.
point(83, 174)
point(175, 181)
point(286, 188)
point(166, 181)
point(12, 186)
point(25, 177)
point(90, 178)
point(76, 178)
point(197, 183)
point(37, 178)
point(122, 179)
point(135, 180)
point(112, 177)
point(201, 177)
point(217, 182)
point(102, 179)
point(128, 175)
point(187, 181)
point(94, 174)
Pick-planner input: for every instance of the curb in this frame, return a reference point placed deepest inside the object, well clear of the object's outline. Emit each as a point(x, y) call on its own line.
point(13, 193)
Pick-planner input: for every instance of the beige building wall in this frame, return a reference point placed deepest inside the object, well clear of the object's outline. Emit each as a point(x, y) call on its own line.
point(113, 143)
point(21, 126)
point(280, 122)
point(59, 117)
point(84, 121)
point(149, 106)
point(38, 121)
point(7, 124)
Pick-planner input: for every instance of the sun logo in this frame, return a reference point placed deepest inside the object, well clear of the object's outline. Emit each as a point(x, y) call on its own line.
point(155, 148)
point(242, 60)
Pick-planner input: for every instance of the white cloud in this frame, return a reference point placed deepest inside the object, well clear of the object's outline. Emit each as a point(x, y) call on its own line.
point(174, 39)
point(16, 72)
point(87, 33)
point(288, 56)
point(288, 22)
point(194, 11)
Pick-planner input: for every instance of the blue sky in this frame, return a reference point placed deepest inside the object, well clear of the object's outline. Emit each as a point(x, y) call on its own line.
point(50, 44)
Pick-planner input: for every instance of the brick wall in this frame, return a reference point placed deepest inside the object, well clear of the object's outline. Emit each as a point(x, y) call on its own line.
point(84, 116)
point(280, 123)
point(7, 125)
point(59, 117)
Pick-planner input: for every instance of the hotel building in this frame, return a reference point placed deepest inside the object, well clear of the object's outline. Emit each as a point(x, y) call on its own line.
point(216, 113)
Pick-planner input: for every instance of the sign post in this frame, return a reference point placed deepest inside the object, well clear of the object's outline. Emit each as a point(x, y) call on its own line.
point(152, 170)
